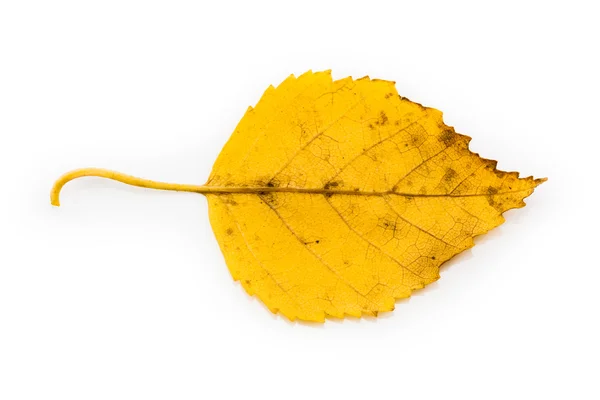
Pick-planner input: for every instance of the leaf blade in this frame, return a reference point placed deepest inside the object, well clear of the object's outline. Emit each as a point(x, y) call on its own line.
point(354, 197)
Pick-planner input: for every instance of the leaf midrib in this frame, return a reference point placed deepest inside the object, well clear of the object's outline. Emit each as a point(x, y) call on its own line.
point(269, 189)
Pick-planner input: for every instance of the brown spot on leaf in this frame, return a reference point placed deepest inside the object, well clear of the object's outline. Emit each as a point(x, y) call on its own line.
point(269, 198)
point(383, 119)
point(449, 175)
point(229, 231)
point(499, 174)
point(387, 223)
point(416, 140)
point(229, 200)
point(491, 192)
point(448, 136)
point(333, 184)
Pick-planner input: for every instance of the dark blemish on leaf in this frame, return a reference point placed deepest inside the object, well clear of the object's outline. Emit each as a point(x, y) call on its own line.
point(330, 185)
point(371, 127)
point(491, 192)
point(258, 183)
point(273, 183)
point(449, 175)
point(308, 242)
point(414, 140)
point(491, 165)
point(447, 137)
point(388, 95)
point(409, 183)
point(229, 231)
point(269, 198)
point(328, 195)
point(387, 224)
point(397, 123)
point(356, 189)
point(433, 257)
point(229, 200)
point(383, 119)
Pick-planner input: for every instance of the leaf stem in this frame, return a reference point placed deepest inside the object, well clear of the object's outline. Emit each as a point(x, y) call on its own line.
point(120, 177)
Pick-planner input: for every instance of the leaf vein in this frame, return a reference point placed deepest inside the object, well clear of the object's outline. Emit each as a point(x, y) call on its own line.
point(369, 242)
point(320, 133)
point(237, 225)
point(413, 224)
point(332, 270)
point(373, 146)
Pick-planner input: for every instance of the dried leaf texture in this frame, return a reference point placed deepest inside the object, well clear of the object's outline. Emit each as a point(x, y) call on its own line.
point(350, 197)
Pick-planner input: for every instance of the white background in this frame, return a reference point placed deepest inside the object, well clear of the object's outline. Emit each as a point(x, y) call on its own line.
point(122, 293)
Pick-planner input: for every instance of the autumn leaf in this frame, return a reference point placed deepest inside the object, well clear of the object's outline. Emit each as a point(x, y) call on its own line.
point(335, 198)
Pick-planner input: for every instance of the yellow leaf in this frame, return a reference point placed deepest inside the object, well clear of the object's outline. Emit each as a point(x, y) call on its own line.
point(336, 198)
